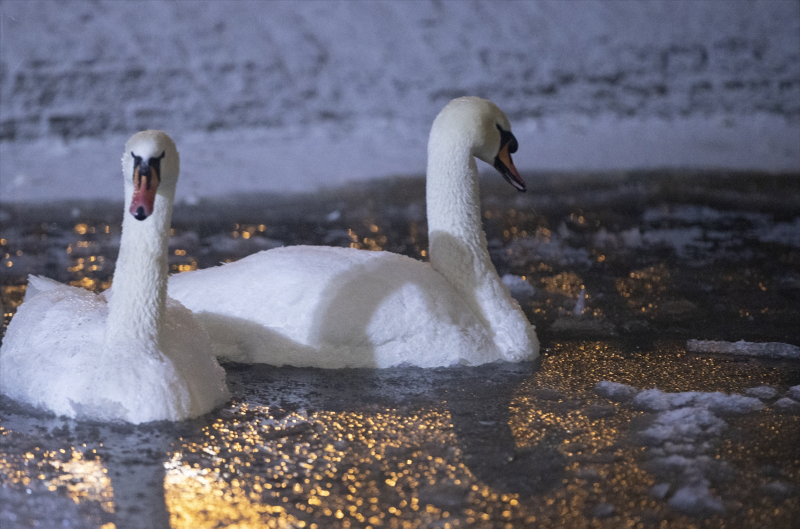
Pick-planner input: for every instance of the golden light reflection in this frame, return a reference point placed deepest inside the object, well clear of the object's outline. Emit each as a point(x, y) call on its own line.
point(67, 472)
point(605, 461)
point(566, 283)
point(329, 469)
point(643, 288)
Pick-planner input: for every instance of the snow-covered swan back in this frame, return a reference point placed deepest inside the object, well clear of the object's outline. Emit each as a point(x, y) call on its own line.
point(340, 307)
point(130, 354)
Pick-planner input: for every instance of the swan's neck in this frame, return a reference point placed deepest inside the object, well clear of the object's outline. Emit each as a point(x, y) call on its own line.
point(457, 241)
point(458, 249)
point(139, 288)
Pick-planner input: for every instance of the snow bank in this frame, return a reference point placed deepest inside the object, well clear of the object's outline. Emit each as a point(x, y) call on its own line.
point(293, 96)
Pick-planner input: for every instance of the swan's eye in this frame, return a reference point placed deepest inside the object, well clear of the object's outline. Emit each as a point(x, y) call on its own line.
point(155, 163)
point(512, 144)
point(507, 138)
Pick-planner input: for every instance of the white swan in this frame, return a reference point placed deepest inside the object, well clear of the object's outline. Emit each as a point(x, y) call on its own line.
point(340, 307)
point(131, 354)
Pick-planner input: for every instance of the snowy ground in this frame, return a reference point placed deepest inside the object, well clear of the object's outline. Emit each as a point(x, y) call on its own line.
point(295, 96)
point(622, 422)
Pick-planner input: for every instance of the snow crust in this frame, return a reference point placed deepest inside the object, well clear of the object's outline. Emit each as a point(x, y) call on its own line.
point(615, 390)
point(657, 400)
point(769, 349)
point(294, 96)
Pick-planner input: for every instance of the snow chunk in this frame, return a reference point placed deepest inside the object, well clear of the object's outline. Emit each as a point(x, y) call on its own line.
point(768, 349)
point(657, 400)
point(695, 499)
point(794, 393)
point(603, 510)
point(660, 490)
point(787, 405)
point(779, 490)
point(761, 392)
point(551, 250)
point(518, 286)
point(615, 391)
point(684, 425)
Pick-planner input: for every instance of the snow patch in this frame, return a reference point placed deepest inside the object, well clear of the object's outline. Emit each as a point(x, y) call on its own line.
point(684, 425)
point(761, 392)
point(615, 391)
point(657, 400)
point(518, 286)
point(768, 349)
point(787, 405)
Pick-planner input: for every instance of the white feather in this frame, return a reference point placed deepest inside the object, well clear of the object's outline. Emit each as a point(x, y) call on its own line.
point(337, 307)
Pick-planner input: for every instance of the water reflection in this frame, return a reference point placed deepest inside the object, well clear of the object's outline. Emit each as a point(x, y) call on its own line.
point(495, 446)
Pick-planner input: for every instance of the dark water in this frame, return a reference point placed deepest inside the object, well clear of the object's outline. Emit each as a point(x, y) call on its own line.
point(661, 258)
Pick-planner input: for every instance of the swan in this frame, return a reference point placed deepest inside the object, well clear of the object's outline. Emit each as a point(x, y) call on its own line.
point(130, 354)
point(315, 306)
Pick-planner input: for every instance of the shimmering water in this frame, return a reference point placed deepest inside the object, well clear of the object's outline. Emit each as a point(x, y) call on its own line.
point(660, 259)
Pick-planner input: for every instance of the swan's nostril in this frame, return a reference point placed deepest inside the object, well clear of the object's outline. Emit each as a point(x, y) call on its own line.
point(140, 214)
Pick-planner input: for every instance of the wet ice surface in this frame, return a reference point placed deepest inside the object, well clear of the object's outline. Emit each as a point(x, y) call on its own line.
point(617, 425)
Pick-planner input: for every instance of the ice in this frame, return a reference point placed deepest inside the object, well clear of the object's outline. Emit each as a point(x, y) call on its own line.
point(631, 238)
point(659, 490)
point(695, 499)
point(787, 405)
point(551, 250)
point(684, 425)
point(761, 392)
point(518, 286)
point(786, 233)
point(615, 391)
point(580, 305)
point(657, 400)
point(768, 349)
point(603, 510)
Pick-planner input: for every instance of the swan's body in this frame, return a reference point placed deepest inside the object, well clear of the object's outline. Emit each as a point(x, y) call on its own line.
point(129, 354)
point(336, 307)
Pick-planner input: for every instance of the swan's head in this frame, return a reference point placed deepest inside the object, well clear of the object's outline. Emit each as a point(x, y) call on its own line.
point(150, 165)
point(488, 130)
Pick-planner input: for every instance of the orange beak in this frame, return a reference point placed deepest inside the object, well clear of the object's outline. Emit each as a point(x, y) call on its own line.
point(145, 184)
point(505, 165)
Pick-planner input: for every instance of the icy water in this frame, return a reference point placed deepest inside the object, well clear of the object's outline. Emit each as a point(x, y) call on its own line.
point(660, 258)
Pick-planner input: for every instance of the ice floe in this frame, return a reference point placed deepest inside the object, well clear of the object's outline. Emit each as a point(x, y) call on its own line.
point(615, 391)
point(767, 349)
point(657, 400)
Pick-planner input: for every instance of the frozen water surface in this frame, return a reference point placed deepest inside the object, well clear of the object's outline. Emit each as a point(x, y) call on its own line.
point(617, 425)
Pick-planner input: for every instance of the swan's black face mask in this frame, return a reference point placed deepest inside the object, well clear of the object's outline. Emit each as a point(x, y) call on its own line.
point(503, 162)
point(146, 177)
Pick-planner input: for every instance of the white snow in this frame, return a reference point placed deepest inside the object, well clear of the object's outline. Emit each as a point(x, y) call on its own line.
point(695, 499)
point(685, 425)
point(761, 392)
point(787, 405)
point(295, 96)
point(614, 390)
point(657, 400)
point(518, 286)
point(768, 349)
